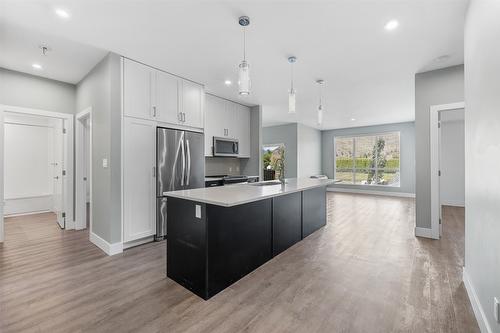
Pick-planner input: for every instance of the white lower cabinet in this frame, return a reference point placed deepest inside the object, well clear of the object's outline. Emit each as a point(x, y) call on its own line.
point(139, 152)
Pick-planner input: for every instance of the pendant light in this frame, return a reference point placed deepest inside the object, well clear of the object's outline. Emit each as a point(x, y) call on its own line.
point(291, 93)
point(320, 105)
point(244, 67)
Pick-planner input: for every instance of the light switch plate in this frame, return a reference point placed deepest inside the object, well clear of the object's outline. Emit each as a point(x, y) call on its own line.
point(197, 212)
point(104, 162)
point(496, 308)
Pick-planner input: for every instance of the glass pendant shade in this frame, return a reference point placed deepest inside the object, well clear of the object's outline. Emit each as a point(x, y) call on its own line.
point(320, 115)
point(244, 78)
point(291, 101)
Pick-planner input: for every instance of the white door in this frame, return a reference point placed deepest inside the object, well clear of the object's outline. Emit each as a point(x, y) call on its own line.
point(166, 98)
point(137, 89)
point(138, 178)
point(58, 178)
point(192, 104)
point(243, 132)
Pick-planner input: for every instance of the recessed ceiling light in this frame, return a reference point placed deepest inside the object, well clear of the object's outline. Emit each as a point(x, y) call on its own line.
point(37, 66)
point(353, 119)
point(62, 13)
point(391, 25)
point(227, 82)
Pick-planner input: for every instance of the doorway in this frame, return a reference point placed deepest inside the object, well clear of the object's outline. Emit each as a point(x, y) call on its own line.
point(447, 143)
point(36, 162)
point(83, 170)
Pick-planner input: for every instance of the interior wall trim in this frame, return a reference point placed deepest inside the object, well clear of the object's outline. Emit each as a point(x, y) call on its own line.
point(481, 318)
point(108, 248)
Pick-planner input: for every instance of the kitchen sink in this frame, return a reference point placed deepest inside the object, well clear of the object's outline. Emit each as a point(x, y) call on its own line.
point(266, 183)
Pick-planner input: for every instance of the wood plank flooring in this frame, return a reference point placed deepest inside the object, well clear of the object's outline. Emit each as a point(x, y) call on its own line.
point(363, 272)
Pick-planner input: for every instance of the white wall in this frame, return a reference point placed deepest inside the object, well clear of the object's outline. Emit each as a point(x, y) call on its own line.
point(29, 144)
point(482, 148)
point(452, 158)
point(308, 151)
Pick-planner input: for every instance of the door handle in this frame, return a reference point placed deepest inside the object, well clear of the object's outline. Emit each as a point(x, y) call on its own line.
point(183, 174)
point(188, 153)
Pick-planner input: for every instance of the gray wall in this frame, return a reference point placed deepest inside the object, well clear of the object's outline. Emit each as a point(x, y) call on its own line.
point(253, 166)
point(482, 146)
point(286, 134)
point(407, 147)
point(100, 89)
point(441, 86)
point(29, 91)
point(308, 151)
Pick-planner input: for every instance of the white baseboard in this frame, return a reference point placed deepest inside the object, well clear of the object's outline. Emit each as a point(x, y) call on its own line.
point(452, 203)
point(30, 213)
point(109, 249)
point(425, 232)
point(27, 205)
point(138, 242)
point(482, 321)
point(361, 191)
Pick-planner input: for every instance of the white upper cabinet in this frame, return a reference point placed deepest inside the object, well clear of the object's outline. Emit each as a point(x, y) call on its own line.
point(227, 119)
point(137, 90)
point(215, 109)
point(192, 104)
point(156, 95)
point(166, 97)
point(243, 123)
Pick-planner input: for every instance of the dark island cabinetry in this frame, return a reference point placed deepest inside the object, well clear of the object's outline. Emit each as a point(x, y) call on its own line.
point(209, 247)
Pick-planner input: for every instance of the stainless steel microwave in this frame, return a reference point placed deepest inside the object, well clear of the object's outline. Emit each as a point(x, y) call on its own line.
point(226, 147)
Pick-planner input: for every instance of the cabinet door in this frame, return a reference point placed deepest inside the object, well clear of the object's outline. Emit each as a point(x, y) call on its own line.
point(192, 104)
point(230, 120)
point(215, 109)
point(138, 178)
point(243, 125)
point(137, 83)
point(167, 98)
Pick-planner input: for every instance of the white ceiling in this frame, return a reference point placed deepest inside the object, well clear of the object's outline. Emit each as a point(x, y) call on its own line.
point(67, 60)
point(369, 72)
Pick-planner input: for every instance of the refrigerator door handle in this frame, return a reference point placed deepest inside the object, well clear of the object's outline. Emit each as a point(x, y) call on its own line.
point(188, 153)
point(183, 175)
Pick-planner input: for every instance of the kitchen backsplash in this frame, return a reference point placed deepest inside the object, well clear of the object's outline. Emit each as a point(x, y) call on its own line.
point(222, 166)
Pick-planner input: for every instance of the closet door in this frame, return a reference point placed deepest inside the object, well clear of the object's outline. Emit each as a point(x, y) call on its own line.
point(139, 178)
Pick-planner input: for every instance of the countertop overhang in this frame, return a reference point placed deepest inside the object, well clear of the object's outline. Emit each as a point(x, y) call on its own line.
point(228, 196)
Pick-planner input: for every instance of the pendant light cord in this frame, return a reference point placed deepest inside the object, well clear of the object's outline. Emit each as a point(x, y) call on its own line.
point(291, 74)
point(244, 45)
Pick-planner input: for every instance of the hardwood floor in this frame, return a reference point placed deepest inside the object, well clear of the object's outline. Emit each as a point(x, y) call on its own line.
point(363, 272)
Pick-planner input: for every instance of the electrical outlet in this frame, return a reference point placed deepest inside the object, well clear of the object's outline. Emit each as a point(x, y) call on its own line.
point(496, 308)
point(197, 212)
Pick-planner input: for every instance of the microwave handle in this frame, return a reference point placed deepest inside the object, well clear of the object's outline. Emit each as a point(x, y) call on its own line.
point(235, 147)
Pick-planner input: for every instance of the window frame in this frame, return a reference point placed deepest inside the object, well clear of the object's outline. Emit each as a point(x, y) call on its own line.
point(353, 169)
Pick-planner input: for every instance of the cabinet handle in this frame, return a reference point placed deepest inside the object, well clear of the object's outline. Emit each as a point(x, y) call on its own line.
point(154, 172)
point(154, 111)
point(179, 116)
point(183, 117)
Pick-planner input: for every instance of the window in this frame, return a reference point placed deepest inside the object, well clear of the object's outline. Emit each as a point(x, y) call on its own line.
point(368, 159)
point(271, 155)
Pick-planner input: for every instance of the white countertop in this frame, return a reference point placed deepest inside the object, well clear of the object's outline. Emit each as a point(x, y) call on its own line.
point(238, 194)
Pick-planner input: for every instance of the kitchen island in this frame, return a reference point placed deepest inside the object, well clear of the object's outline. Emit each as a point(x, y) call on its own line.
point(217, 235)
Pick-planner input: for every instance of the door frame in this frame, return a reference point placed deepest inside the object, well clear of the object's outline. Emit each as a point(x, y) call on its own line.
point(68, 159)
point(434, 151)
point(80, 184)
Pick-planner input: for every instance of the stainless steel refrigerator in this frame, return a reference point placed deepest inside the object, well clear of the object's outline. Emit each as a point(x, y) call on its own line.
point(180, 165)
